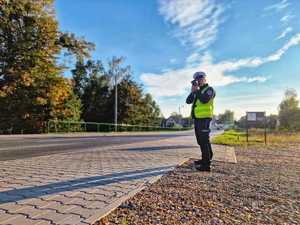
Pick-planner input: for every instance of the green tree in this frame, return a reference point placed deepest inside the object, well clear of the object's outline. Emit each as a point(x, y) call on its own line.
point(96, 87)
point(289, 111)
point(272, 121)
point(226, 117)
point(32, 88)
point(92, 86)
point(241, 123)
point(153, 112)
point(134, 107)
point(79, 77)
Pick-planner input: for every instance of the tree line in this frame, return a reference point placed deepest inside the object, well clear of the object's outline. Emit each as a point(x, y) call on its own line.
point(33, 88)
point(287, 119)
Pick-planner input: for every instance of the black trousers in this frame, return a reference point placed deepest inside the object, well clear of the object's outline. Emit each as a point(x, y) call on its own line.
point(202, 132)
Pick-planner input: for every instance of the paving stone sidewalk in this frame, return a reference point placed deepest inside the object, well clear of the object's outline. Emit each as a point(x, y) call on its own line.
point(80, 187)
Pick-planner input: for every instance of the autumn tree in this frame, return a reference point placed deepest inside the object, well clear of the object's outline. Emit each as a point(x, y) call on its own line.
point(32, 88)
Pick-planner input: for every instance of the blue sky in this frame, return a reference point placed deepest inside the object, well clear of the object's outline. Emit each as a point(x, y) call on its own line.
point(250, 50)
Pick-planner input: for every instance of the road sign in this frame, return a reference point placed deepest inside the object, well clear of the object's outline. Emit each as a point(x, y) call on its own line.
point(256, 116)
point(251, 116)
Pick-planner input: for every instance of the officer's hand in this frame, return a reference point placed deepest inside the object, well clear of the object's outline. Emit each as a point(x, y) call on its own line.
point(194, 88)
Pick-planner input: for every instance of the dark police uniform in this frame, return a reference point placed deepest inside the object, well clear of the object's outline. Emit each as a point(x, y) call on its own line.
point(202, 113)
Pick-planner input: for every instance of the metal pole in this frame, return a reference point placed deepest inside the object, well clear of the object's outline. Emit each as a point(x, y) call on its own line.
point(55, 127)
point(116, 104)
point(180, 108)
point(48, 126)
point(265, 129)
point(247, 133)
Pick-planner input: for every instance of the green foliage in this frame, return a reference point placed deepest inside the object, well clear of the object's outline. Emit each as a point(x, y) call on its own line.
point(230, 137)
point(226, 117)
point(272, 121)
point(289, 111)
point(32, 88)
point(95, 87)
point(75, 46)
point(256, 137)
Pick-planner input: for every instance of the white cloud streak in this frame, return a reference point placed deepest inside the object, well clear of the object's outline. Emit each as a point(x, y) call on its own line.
point(284, 33)
point(197, 20)
point(193, 58)
point(277, 7)
point(177, 82)
point(286, 18)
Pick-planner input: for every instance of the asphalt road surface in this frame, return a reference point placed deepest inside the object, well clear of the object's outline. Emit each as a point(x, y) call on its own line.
point(27, 146)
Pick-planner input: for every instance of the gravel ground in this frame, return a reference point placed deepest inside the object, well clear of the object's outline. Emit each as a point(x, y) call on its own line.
point(262, 188)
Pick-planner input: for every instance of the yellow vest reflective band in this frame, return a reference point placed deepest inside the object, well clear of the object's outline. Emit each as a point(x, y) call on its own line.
point(204, 110)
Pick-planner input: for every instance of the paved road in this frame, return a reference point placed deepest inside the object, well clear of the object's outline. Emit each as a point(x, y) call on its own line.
point(68, 184)
point(27, 146)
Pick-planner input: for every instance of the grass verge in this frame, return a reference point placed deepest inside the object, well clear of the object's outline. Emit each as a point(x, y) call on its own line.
point(256, 137)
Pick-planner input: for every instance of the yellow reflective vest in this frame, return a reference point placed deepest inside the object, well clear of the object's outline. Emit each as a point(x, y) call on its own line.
point(203, 110)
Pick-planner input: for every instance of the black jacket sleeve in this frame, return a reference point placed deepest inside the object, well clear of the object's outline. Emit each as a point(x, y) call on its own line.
point(190, 98)
point(207, 95)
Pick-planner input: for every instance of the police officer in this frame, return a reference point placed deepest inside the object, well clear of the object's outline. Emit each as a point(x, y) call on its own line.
point(202, 100)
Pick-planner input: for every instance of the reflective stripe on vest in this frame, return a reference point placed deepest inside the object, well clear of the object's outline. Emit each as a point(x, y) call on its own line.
point(204, 110)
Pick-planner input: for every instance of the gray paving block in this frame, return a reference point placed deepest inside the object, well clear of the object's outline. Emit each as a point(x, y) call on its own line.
point(51, 216)
point(12, 206)
point(84, 212)
point(70, 220)
point(31, 211)
point(34, 201)
point(23, 220)
point(5, 217)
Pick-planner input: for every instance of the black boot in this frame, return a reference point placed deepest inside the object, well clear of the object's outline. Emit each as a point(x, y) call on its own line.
point(198, 162)
point(203, 168)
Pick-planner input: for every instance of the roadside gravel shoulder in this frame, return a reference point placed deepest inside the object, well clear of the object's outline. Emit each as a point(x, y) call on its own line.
point(262, 188)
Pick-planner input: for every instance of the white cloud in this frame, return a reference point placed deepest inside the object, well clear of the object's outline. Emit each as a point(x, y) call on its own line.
point(197, 20)
point(177, 82)
point(194, 57)
point(259, 79)
point(286, 18)
point(284, 33)
point(283, 4)
point(295, 40)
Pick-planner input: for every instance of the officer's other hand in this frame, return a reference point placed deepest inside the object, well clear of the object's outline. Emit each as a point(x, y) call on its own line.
point(194, 88)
